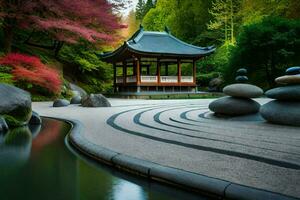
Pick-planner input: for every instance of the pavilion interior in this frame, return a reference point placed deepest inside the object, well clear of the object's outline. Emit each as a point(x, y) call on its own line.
point(154, 74)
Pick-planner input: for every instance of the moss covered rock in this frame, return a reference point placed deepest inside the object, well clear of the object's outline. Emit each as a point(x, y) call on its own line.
point(15, 105)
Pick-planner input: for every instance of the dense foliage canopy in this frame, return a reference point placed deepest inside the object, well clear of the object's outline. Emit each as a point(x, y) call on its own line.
point(266, 48)
point(221, 22)
point(63, 20)
point(262, 36)
point(29, 71)
point(62, 33)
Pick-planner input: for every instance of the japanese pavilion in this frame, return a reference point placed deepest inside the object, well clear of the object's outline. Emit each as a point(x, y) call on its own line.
point(155, 61)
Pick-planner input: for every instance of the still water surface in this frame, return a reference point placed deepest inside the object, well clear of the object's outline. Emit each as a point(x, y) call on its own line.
point(35, 163)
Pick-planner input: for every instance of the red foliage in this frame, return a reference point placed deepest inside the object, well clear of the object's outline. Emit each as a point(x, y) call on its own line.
point(30, 69)
point(66, 20)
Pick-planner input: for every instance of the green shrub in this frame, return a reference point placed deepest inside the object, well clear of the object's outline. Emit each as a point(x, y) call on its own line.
point(5, 76)
point(266, 49)
point(204, 79)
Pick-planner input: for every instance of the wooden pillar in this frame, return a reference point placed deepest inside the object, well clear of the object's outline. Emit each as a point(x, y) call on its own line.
point(115, 77)
point(138, 72)
point(158, 71)
point(194, 71)
point(134, 68)
point(179, 70)
point(124, 72)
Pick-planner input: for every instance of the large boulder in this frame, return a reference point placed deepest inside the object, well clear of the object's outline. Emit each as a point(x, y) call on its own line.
point(77, 90)
point(15, 105)
point(288, 93)
point(243, 90)
point(95, 100)
point(61, 103)
point(281, 112)
point(234, 106)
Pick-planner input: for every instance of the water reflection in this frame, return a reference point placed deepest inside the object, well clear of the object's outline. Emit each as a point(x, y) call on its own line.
point(15, 148)
point(123, 189)
point(39, 166)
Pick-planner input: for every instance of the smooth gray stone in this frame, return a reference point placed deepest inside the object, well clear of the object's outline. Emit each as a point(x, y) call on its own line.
point(3, 125)
point(234, 106)
point(293, 70)
point(81, 91)
point(76, 100)
point(281, 112)
point(192, 180)
point(95, 100)
point(243, 90)
point(61, 103)
point(291, 93)
point(242, 72)
point(239, 192)
point(15, 105)
point(241, 79)
point(288, 79)
point(35, 119)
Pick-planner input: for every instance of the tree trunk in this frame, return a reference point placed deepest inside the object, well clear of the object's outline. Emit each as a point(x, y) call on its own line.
point(58, 48)
point(272, 71)
point(268, 75)
point(225, 22)
point(8, 38)
point(232, 23)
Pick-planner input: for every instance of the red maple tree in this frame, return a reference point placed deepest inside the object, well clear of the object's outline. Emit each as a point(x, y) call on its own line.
point(30, 69)
point(64, 20)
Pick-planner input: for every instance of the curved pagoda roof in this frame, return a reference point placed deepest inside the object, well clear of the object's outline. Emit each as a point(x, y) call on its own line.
point(156, 44)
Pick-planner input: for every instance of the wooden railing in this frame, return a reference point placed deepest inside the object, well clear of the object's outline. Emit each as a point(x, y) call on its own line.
point(154, 79)
point(130, 79)
point(168, 79)
point(149, 79)
point(187, 79)
point(119, 79)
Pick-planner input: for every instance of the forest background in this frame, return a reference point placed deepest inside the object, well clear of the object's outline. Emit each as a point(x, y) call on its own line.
point(262, 36)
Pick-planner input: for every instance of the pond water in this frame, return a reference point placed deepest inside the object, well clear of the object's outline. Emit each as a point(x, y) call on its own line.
point(36, 163)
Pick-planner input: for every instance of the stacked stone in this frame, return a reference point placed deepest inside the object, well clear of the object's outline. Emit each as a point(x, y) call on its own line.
point(238, 102)
point(285, 109)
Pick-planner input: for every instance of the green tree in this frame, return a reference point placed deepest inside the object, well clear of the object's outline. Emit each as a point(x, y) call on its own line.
point(266, 48)
point(160, 16)
point(149, 4)
point(140, 10)
point(85, 68)
point(252, 11)
point(224, 13)
point(186, 19)
point(132, 23)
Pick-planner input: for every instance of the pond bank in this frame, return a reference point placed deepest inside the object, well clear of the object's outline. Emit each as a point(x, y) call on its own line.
point(170, 140)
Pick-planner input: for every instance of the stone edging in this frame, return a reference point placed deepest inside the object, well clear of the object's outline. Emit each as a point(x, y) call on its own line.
point(188, 180)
